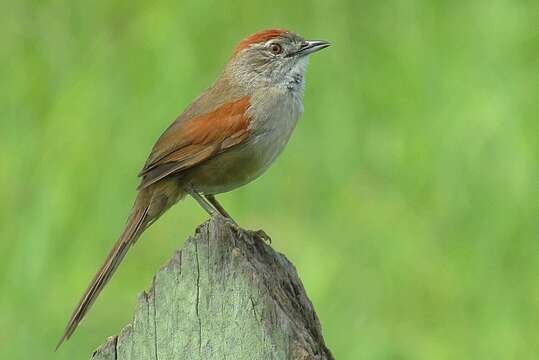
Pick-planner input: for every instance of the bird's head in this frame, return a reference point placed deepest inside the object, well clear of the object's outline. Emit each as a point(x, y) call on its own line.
point(273, 57)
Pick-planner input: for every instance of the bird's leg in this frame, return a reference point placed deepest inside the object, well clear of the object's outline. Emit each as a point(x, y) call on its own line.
point(202, 202)
point(212, 209)
point(218, 206)
point(261, 234)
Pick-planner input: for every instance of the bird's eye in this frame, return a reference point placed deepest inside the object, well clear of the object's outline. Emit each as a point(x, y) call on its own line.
point(276, 49)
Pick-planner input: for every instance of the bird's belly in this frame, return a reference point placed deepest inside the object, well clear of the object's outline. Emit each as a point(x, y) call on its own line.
point(244, 163)
point(239, 165)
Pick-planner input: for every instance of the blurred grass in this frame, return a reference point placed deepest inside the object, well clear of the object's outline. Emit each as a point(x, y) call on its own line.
point(408, 197)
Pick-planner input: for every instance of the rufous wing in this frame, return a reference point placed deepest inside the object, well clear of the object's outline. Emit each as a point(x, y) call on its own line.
point(187, 143)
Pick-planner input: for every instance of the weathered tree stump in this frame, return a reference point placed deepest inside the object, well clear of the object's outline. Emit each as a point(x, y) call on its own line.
point(225, 295)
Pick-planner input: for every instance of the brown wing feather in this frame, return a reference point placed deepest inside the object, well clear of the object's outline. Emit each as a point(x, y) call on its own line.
point(171, 167)
point(189, 142)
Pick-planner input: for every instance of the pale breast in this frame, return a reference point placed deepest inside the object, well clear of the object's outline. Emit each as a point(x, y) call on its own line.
point(244, 163)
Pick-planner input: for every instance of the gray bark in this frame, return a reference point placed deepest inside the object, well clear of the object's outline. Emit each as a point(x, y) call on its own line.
point(225, 295)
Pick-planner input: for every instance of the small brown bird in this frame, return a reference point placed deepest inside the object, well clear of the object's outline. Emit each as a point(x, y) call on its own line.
point(225, 139)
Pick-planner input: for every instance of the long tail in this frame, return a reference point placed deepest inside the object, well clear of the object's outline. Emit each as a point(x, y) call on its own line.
point(145, 211)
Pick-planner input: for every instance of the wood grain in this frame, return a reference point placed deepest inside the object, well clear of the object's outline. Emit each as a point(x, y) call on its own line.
point(224, 295)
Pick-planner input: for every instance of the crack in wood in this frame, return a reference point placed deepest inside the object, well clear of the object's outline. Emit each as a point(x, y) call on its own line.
point(155, 317)
point(198, 301)
point(255, 306)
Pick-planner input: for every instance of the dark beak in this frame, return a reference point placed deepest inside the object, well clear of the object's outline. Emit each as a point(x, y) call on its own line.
point(310, 46)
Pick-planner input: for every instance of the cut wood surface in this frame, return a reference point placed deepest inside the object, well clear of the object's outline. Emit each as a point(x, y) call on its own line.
point(224, 295)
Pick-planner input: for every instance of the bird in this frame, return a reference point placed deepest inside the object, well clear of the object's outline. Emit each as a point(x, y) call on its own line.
point(225, 139)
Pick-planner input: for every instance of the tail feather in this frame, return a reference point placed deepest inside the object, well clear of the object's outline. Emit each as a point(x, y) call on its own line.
point(136, 224)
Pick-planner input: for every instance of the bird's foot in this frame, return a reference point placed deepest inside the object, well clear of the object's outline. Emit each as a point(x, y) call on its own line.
point(259, 234)
point(228, 221)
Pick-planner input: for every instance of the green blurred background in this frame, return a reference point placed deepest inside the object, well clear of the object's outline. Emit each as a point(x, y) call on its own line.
point(408, 197)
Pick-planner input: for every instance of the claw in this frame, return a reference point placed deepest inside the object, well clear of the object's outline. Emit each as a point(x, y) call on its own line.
point(259, 234)
point(228, 221)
